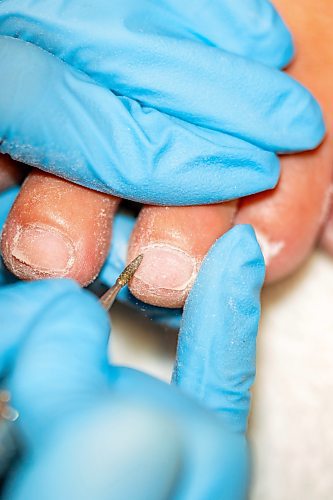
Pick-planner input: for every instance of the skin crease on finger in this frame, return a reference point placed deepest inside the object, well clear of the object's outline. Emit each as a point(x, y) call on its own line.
point(287, 219)
point(56, 228)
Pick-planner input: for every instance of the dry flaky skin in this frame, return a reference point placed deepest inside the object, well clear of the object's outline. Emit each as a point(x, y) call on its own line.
point(110, 295)
point(287, 219)
point(77, 216)
point(161, 280)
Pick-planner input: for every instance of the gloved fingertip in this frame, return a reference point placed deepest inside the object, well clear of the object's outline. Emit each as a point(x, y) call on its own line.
point(217, 342)
point(282, 57)
point(314, 125)
point(235, 251)
point(306, 123)
point(274, 40)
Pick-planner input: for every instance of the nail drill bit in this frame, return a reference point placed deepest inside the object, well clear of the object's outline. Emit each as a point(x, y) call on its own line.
point(110, 295)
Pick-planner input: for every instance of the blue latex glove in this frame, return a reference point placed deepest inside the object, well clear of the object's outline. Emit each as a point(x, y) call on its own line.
point(155, 101)
point(99, 431)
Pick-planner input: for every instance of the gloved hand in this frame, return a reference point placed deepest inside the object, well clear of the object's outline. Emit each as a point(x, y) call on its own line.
point(148, 100)
point(95, 430)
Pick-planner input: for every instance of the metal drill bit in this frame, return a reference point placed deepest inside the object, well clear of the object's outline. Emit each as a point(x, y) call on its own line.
point(110, 295)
